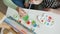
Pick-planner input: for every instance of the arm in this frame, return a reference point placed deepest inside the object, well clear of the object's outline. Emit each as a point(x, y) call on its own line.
point(26, 3)
point(9, 3)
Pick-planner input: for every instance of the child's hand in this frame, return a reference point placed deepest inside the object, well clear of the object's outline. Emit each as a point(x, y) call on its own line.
point(46, 9)
point(26, 5)
point(36, 2)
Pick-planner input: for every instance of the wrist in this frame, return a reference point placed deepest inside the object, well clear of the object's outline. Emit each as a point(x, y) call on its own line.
point(17, 9)
point(21, 12)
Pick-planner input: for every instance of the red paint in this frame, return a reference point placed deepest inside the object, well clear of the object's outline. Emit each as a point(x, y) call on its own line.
point(28, 22)
point(42, 20)
point(50, 17)
point(49, 20)
point(19, 21)
point(24, 32)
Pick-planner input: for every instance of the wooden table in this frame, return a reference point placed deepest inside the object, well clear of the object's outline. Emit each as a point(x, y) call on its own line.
point(4, 25)
point(1, 15)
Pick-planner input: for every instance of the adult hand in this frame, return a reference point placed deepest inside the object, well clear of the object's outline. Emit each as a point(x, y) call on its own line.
point(21, 12)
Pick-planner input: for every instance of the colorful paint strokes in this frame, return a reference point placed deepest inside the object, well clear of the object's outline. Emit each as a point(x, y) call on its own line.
point(28, 22)
point(34, 23)
point(25, 18)
point(46, 19)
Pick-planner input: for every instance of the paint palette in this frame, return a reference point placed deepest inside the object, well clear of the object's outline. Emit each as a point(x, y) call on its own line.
point(46, 19)
point(40, 22)
point(30, 24)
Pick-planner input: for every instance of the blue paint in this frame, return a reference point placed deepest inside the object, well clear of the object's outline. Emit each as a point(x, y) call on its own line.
point(34, 25)
point(47, 23)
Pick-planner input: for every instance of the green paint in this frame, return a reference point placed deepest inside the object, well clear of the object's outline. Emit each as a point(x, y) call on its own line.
point(15, 16)
point(33, 22)
point(45, 23)
point(52, 21)
point(25, 18)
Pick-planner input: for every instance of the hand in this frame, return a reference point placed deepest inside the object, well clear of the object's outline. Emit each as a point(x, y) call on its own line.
point(21, 12)
point(36, 2)
point(26, 5)
point(46, 9)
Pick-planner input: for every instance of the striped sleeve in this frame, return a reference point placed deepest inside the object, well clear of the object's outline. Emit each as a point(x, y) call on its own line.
point(9, 3)
point(26, 1)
